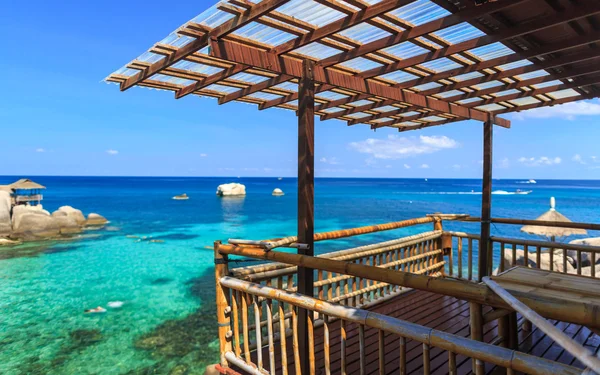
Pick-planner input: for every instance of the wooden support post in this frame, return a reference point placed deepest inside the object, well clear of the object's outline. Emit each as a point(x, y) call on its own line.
point(503, 331)
point(221, 270)
point(486, 201)
point(306, 192)
point(513, 331)
point(476, 323)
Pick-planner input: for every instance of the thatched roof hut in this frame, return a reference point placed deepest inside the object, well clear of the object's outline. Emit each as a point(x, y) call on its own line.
point(552, 232)
point(26, 184)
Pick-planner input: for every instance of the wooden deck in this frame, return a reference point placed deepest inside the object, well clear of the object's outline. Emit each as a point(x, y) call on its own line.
point(436, 311)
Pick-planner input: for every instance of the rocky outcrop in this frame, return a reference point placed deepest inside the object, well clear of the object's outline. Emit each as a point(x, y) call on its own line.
point(33, 222)
point(557, 260)
point(232, 189)
point(94, 219)
point(278, 192)
point(73, 213)
point(586, 260)
point(67, 225)
point(5, 219)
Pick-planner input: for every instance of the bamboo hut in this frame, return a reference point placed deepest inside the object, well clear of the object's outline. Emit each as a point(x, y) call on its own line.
point(415, 304)
point(25, 191)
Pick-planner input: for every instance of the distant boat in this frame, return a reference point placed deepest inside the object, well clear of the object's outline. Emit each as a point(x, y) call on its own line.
point(523, 192)
point(181, 197)
point(425, 180)
point(532, 182)
point(280, 178)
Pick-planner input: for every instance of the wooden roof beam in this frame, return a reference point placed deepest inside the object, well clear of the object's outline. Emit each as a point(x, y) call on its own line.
point(342, 24)
point(587, 8)
point(534, 92)
point(551, 48)
point(290, 66)
point(412, 33)
point(227, 27)
point(548, 64)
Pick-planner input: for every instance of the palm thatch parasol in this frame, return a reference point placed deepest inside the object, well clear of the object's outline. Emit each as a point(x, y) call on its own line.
point(552, 232)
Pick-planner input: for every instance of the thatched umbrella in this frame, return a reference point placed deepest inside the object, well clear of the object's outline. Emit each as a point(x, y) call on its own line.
point(552, 232)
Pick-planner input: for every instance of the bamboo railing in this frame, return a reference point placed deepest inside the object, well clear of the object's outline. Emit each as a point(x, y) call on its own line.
point(552, 256)
point(258, 307)
point(268, 300)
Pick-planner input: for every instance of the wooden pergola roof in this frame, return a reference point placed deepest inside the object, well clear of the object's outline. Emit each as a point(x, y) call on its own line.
point(390, 63)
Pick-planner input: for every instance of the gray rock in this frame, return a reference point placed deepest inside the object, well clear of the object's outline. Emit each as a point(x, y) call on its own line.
point(74, 213)
point(232, 189)
point(5, 219)
point(95, 219)
point(586, 259)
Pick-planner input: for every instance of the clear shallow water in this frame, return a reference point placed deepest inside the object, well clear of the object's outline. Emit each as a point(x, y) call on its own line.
point(168, 288)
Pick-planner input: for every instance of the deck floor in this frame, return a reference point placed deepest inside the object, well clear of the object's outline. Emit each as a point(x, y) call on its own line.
point(436, 311)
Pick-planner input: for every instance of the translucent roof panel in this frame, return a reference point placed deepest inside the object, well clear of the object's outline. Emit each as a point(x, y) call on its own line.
point(360, 64)
point(536, 74)
point(317, 51)
point(263, 34)
point(399, 76)
point(524, 101)
point(459, 33)
point(563, 94)
point(420, 12)
point(364, 33)
point(441, 65)
point(491, 51)
point(405, 50)
point(310, 12)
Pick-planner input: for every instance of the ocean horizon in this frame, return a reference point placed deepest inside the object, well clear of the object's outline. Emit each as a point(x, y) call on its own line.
point(167, 318)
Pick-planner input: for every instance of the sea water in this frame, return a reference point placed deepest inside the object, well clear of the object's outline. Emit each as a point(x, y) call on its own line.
point(166, 323)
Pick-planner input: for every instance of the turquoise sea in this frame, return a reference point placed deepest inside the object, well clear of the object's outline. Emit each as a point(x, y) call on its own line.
point(167, 323)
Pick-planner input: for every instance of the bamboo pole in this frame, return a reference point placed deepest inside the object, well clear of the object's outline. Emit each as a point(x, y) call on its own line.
point(476, 325)
point(577, 312)
point(571, 346)
point(486, 200)
point(460, 345)
point(223, 319)
point(548, 244)
point(343, 347)
point(282, 340)
point(402, 356)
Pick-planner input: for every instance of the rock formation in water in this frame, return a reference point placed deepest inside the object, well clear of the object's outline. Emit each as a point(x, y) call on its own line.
point(278, 192)
point(5, 219)
point(232, 189)
point(94, 219)
point(33, 223)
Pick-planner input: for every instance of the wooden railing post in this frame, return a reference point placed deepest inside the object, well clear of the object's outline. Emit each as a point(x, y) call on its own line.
point(306, 193)
point(223, 315)
point(476, 323)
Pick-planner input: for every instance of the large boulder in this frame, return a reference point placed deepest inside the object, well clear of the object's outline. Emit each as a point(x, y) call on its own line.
point(74, 213)
point(557, 260)
point(33, 222)
point(232, 189)
point(67, 224)
point(587, 271)
point(5, 220)
point(586, 258)
point(96, 220)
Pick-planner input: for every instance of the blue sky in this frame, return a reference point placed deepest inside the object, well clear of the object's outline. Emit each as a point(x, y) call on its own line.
point(57, 117)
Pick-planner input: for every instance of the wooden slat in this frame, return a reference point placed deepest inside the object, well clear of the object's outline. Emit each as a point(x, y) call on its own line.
point(226, 28)
point(289, 66)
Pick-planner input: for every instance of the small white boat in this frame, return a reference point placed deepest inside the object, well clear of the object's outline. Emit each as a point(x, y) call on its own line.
point(181, 197)
point(280, 178)
point(532, 182)
point(522, 192)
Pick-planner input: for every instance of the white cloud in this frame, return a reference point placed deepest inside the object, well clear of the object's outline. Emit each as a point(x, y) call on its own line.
point(567, 111)
point(40, 150)
point(112, 152)
point(425, 166)
point(395, 147)
point(578, 159)
point(332, 161)
point(541, 161)
point(456, 166)
point(406, 166)
point(203, 155)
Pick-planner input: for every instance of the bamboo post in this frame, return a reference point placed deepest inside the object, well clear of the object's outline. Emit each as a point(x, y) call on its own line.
point(476, 324)
point(306, 193)
point(221, 269)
